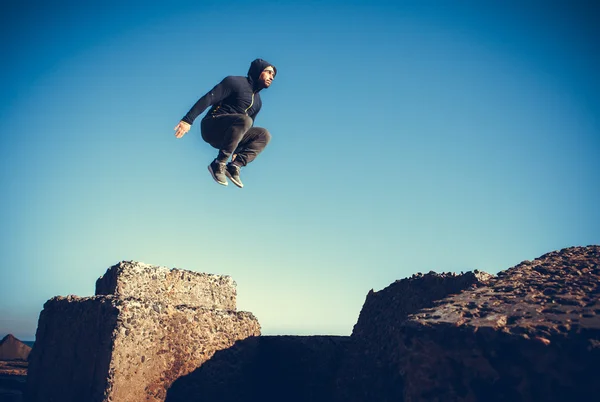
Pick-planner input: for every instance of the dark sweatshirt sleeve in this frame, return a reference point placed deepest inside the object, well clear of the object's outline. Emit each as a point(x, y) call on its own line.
point(221, 91)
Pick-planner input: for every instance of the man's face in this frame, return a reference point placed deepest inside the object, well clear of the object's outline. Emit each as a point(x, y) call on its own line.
point(267, 76)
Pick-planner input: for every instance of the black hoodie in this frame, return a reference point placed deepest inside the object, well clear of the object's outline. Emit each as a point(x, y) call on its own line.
point(233, 95)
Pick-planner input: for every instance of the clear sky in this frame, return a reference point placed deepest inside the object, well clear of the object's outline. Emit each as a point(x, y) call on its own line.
point(406, 137)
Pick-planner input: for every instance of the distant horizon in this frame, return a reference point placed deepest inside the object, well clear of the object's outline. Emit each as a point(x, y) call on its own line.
point(25, 341)
point(30, 341)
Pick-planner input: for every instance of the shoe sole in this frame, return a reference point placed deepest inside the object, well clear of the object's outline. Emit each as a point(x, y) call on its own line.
point(215, 177)
point(234, 181)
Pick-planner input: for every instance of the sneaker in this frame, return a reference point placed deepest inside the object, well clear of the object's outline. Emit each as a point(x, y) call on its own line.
point(217, 170)
point(233, 172)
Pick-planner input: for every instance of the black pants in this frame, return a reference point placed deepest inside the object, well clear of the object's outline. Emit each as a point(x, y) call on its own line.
point(233, 134)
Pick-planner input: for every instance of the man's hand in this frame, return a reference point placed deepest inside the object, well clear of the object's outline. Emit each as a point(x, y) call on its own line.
point(181, 129)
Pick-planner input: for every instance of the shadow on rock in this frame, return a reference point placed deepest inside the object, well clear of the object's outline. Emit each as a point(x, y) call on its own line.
point(266, 368)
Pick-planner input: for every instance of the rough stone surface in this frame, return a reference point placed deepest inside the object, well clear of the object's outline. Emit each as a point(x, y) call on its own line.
point(13, 367)
point(533, 334)
point(172, 286)
point(407, 296)
point(266, 369)
point(367, 372)
point(114, 348)
point(160, 346)
point(71, 356)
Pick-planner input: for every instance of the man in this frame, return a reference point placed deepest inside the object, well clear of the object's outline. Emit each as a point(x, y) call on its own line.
point(229, 124)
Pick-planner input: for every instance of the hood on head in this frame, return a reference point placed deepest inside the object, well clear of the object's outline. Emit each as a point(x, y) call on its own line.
point(257, 67)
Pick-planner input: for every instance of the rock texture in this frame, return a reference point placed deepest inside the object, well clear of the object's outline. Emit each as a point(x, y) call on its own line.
point(266, 369)
point(368, 372)
point(133, 344)
point(13, 368)
point(532, 334)
point(407, 296)
point(177, 286)
point(13, 349)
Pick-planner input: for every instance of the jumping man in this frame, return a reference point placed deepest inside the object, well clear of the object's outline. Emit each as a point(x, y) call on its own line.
point(229, 124)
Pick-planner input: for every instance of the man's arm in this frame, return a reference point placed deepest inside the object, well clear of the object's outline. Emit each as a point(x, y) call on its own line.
point(221, 91)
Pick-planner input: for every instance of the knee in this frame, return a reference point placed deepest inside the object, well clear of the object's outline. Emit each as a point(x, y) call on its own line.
point(265, 135)
point(243, 121)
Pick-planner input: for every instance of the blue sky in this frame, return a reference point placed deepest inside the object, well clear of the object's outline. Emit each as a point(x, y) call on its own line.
point(407, 137)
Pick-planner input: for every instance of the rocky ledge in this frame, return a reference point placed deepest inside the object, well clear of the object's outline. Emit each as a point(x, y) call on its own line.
point(532, 334)
point(368, 371)
point(146, 327)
